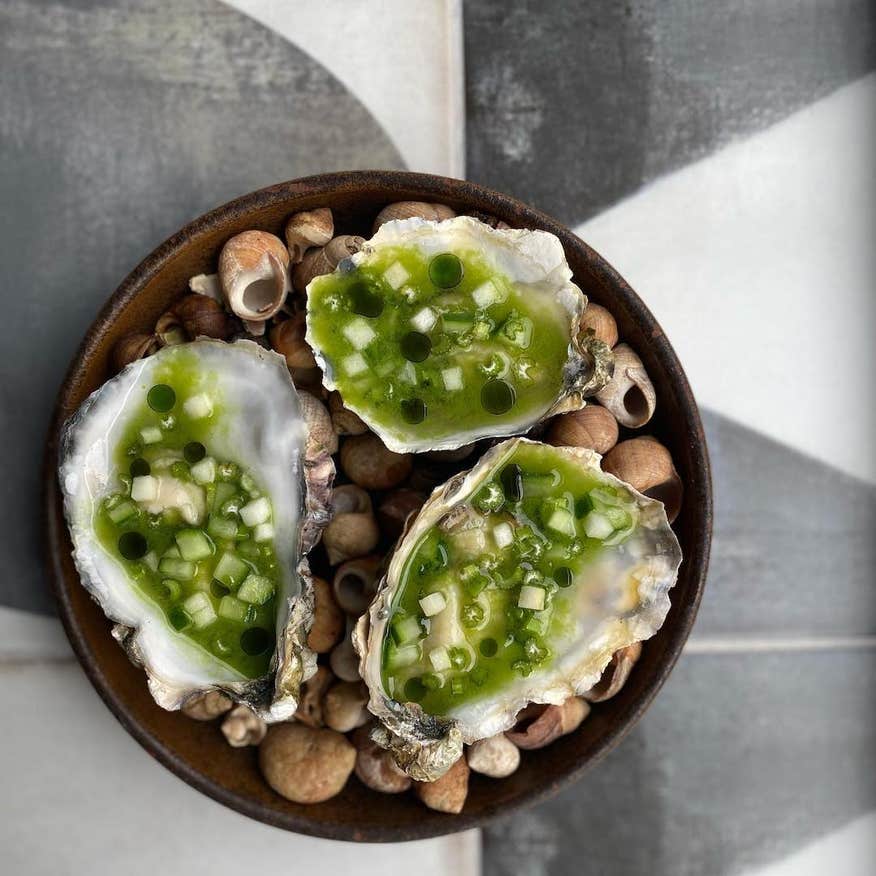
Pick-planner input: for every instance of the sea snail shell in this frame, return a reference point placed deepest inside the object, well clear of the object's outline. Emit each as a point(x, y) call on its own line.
point(646, 465)
point(629, 395)
point(353, 530)
point(254, 274)
point(308, 229)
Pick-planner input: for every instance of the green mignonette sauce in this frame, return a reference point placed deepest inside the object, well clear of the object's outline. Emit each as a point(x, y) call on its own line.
point(433, 347)
point(193, 531)
point(473, 612)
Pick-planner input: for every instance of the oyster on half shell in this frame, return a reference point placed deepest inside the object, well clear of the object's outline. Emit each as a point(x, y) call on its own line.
point(192, 496)
point(440, 333)
point(514, 584)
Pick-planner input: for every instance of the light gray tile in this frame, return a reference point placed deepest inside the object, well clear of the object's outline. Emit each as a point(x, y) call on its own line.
point(80, 796)
point(793, 552)
point(740, 761)
point(118, 123)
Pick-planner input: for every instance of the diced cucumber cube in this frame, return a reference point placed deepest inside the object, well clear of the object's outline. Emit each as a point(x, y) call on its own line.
point(181, 570)
point(538, 623)
point(457, 322)
point(354, 364)
point(503, 535)
point(230, 570)
point(256, 589)
point(358, 333)
point(263, 532)
point(440, 659)
point(424, 320)
point(562, 521)
point(151, 561)
point(193, 544)
point(144, 488)
point(233, 609)
point(201, 610)
point(198, 407)
point(222, 527)
point(433, 603)
point(597, 525)
point(531, 597)
point(405, 629)
point(452, 378)
point(150, 435)
point(224, 491)
point(204, 472)
point(172, 551)
point(121, 512)
point(408, 374)
point(396, 275)
point(486, 294)
point(457, 685)
point(402, 657)
point(256, 512)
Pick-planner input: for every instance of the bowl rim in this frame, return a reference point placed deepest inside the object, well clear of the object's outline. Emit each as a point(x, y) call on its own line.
point(428, 185)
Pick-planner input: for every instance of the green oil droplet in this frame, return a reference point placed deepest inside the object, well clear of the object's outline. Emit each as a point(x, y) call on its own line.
point(161, 398)
point(445, 270)
point(497, 397)
point(415, 346)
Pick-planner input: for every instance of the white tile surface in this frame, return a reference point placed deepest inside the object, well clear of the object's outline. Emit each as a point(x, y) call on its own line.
point(759, 263)
point(403, 60)
point(850, 851)
point(79, 796)
point(25, 636)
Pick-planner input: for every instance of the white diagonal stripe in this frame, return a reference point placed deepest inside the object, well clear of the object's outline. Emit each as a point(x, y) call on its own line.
point(759, 262)
point(402, 60)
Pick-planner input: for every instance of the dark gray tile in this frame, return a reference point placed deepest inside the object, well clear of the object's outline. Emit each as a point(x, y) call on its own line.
point(572, 105)
point(118, 123)
point(793, 552)
point(740, 761)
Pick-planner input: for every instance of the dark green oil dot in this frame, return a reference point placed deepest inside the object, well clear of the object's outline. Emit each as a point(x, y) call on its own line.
point(161, 398)
point(218, 589)
point(511, 478)
point(194, 451)
point(583, 507)
point(415, 346)
point(365, 301)
point(488, 647)
point(415, 690)
point(445, 270)
point(563, 576)
point(139, 468)
point(413, 410)
point(132, 545)
point(179, 620)
point(497, 397)
point(255, 640)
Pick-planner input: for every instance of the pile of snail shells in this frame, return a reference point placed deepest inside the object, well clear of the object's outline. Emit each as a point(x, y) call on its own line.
point(311, 758)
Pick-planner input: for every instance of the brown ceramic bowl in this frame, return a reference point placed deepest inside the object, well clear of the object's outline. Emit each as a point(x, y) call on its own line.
point(195, 751)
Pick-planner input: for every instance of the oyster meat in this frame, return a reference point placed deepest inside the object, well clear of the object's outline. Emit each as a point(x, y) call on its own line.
point(440, 333)
point(192, 496)
point(514, 584)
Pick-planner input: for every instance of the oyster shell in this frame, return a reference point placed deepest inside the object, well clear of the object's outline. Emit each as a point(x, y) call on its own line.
point(514, 584)
point(440, 333)
point(255, 424)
